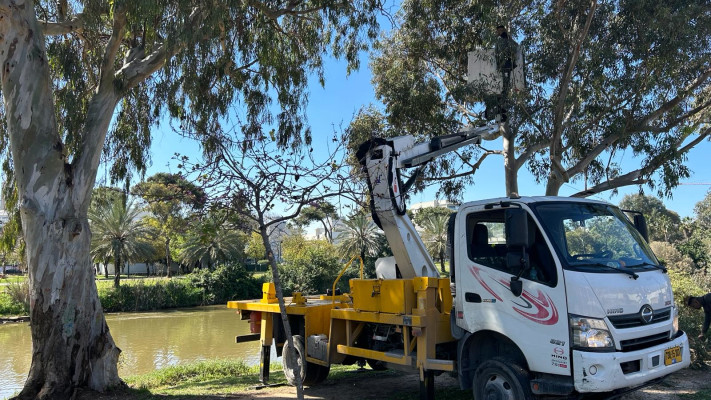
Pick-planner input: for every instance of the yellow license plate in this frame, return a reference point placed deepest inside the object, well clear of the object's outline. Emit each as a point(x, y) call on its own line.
point(672, 355)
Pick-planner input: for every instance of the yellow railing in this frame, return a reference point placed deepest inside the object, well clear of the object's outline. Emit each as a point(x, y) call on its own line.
point(345, 267)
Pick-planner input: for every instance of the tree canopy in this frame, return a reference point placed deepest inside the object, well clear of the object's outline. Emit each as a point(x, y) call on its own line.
point(86, 80)
point(605, 80)
point(664, 225)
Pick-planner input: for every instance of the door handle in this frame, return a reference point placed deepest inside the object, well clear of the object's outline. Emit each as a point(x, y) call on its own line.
point(470, 297)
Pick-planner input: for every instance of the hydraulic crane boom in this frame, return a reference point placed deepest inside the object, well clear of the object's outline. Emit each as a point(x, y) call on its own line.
point(383, 159)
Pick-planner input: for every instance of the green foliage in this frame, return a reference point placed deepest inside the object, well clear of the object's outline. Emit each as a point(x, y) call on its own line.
point(255, 247)
point(602, 79)
point(141, 296)
point(311, 267)
point(690, 320)
point(686, 281)
point(323, 213)
point(358, 236)
point(168, 197)
point(664, 225)
point(434, 223)
point(227, 282)
point(211, 241)
point(15, 297)
point(420, 216)
point(697, 249)
point(118, 233)
point(702, 210)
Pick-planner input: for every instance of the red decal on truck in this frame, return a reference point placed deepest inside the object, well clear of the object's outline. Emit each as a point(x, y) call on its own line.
point(538, 308)
point(476, 272)
point(543, 309)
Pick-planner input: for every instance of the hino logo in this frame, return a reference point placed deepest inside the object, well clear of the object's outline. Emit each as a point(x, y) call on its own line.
point(646, 313)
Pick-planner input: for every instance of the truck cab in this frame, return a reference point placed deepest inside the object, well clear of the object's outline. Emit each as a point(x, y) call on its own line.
point(558, 295)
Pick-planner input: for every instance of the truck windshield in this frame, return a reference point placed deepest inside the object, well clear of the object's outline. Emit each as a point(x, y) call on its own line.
point(595, 237)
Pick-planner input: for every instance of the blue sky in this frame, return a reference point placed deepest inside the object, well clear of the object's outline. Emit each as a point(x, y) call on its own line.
point(344, 95)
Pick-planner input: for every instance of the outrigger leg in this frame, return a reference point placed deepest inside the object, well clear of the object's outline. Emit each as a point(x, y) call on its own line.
point(427, 385)
point(264, 364)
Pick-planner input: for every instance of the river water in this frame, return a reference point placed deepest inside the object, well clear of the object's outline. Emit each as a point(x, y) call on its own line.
point(148, 341)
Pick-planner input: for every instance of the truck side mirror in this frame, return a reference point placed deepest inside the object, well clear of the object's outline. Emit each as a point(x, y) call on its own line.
point(518, 240)
point(641, 224)
point(516, 286)
point(517, 234)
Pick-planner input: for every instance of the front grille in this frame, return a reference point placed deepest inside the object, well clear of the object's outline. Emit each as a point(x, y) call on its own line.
point(644, 342)
point(634, 320)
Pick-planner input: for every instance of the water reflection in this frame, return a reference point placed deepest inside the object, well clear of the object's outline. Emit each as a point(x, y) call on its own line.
point(147, 341)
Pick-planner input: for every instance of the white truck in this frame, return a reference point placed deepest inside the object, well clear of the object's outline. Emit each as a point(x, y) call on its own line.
point(546, 296)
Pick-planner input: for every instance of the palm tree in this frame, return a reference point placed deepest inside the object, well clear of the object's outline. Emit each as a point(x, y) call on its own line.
point(435, 235)
point(359, 236)
point(209, 242)
point(119, 233)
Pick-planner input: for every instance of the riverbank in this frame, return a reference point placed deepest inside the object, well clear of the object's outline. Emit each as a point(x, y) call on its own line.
point(199, 288)
point(212, 380)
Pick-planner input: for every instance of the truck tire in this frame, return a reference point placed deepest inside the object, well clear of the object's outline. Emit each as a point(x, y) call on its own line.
point(294, 363)
point(501, 379)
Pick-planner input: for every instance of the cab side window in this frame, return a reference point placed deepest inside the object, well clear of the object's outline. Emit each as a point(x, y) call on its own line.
point(486, 240)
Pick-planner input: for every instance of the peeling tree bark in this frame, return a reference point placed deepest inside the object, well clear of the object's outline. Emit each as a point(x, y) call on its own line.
point(71, 344)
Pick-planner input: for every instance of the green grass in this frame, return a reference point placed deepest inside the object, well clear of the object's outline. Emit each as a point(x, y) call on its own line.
point(12, 278)
point(202, 378)
point(228, 377)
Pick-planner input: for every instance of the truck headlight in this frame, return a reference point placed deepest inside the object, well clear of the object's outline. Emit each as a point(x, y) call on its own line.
point(590, 333)
point(675, 322)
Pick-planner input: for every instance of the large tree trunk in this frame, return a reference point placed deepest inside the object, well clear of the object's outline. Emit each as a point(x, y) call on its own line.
point(71, 344)
point(510, 169)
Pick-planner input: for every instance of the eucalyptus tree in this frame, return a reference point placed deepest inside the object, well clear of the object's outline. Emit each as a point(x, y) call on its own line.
point(606, 80)
point(119, 232)
point(82, 78)
point(169, 197)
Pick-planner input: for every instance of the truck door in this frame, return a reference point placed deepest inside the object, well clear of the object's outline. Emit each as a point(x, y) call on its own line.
point(536, 321)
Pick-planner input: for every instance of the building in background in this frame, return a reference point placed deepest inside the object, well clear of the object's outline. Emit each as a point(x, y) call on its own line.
point(435, 203)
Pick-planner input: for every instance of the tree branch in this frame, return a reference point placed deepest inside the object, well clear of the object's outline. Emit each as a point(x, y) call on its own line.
point(75, 24)
point(636, 177)
point(667, 106)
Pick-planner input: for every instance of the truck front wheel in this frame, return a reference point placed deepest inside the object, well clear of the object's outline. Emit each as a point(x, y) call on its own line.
point(501, 379)
point(294, 363)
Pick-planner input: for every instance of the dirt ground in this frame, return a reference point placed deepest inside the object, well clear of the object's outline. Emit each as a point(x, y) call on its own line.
point(357, 386)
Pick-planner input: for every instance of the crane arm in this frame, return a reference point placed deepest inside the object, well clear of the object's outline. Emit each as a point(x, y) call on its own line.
point(382, 160)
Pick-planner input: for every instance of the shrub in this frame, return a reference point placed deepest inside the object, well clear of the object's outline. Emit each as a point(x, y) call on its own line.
point(142, 296)
point(227, 282)
point(312, 267)
point(16, 299)
point(9, 307)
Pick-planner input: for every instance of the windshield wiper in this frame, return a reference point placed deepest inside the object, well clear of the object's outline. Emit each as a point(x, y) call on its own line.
point(624, 271)
point(646, 264)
